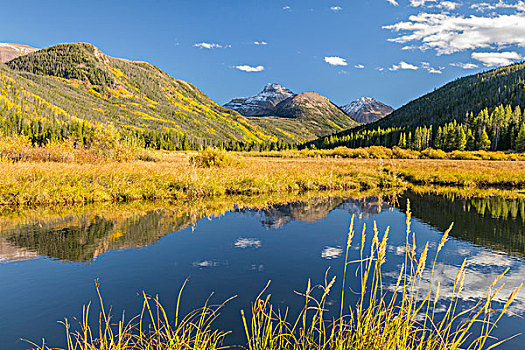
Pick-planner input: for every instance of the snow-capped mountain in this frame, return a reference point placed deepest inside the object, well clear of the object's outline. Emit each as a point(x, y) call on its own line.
point(10, 51)
point(367, 110)
point(261, 104)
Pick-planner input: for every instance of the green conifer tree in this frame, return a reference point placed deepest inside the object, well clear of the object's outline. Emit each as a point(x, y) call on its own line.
point(484, 141)
point(520, 139)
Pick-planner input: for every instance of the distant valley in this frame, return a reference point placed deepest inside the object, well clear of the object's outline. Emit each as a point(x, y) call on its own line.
point(310, 112)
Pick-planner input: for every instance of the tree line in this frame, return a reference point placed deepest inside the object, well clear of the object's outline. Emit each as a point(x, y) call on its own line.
point(41, 131)
point(498, 129)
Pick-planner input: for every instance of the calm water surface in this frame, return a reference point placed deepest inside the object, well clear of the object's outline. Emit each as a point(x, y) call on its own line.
point(48, 264)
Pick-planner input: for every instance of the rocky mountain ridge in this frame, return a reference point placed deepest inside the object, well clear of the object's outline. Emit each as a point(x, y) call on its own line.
point(366, 110)
point(261, 104)
point(275, 100)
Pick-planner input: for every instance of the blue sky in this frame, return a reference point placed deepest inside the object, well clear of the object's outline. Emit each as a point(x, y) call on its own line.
point(392, 50)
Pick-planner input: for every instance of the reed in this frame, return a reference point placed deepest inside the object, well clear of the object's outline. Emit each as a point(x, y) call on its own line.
point(402, 317)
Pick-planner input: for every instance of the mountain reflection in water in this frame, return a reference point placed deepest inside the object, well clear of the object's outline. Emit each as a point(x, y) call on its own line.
point(492, 222)
point(244, 244)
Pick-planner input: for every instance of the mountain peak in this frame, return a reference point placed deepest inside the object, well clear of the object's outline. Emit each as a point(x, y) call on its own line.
point(366, 110)
point(315, 111)
point(274, 87)
point(262, 103)
point(9, 51)
point(79, 61)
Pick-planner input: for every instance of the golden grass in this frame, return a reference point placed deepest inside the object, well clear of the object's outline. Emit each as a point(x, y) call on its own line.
point(380, 152)
point(173, 177)
point(462, 173)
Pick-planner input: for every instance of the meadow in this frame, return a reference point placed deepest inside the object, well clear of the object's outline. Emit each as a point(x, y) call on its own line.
point(40, 176)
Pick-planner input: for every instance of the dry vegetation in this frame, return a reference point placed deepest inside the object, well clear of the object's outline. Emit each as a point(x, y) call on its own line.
point(61, 173)
point(462, 173)
point(175, 177)
point(379, 152)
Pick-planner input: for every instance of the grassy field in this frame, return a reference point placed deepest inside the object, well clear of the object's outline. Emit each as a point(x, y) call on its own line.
point(31, 183)
point(183, 176)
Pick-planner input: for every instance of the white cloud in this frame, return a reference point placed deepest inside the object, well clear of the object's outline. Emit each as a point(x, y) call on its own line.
point(491, 59)
point(482, 268)
point(336, 8)
point(430, 69)
point(210, 46)
point(403, 65)
point(418, 3)
point(359, 66)
point(464, 65)
point(447, 33)
point(448, 5)
point(205, 263)
point(286, 7)
point(250, 69)
point(335, 61)
point(260, 43)
point(485, 6)
point(393, 2)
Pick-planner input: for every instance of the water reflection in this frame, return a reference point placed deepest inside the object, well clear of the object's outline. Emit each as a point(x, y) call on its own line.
point(245, 243)
point(83, 237)
point(492, 222)
point(277, 216)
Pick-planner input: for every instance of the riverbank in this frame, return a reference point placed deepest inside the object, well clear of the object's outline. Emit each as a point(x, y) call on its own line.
point(174, 177)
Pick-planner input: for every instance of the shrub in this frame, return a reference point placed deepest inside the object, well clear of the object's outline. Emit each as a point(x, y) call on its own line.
point(14, 148)
point(377, 152)
point(212, 158)
point(400, 153)
point(433, 153)
point(55, 151)
point(467, 155)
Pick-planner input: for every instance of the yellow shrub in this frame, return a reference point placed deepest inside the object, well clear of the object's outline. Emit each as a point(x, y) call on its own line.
point(433, 153)
point(212, 158)
point(400, 153)
point(14, 148)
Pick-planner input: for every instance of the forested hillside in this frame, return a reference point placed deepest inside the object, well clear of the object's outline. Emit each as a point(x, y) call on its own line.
point(482, 111)
point(468, 95)
point(76, 91)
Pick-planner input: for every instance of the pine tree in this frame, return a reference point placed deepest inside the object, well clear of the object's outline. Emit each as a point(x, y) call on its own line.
point(520, 140)
point(461, 139)
point(471, 142)
point(484, 141)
